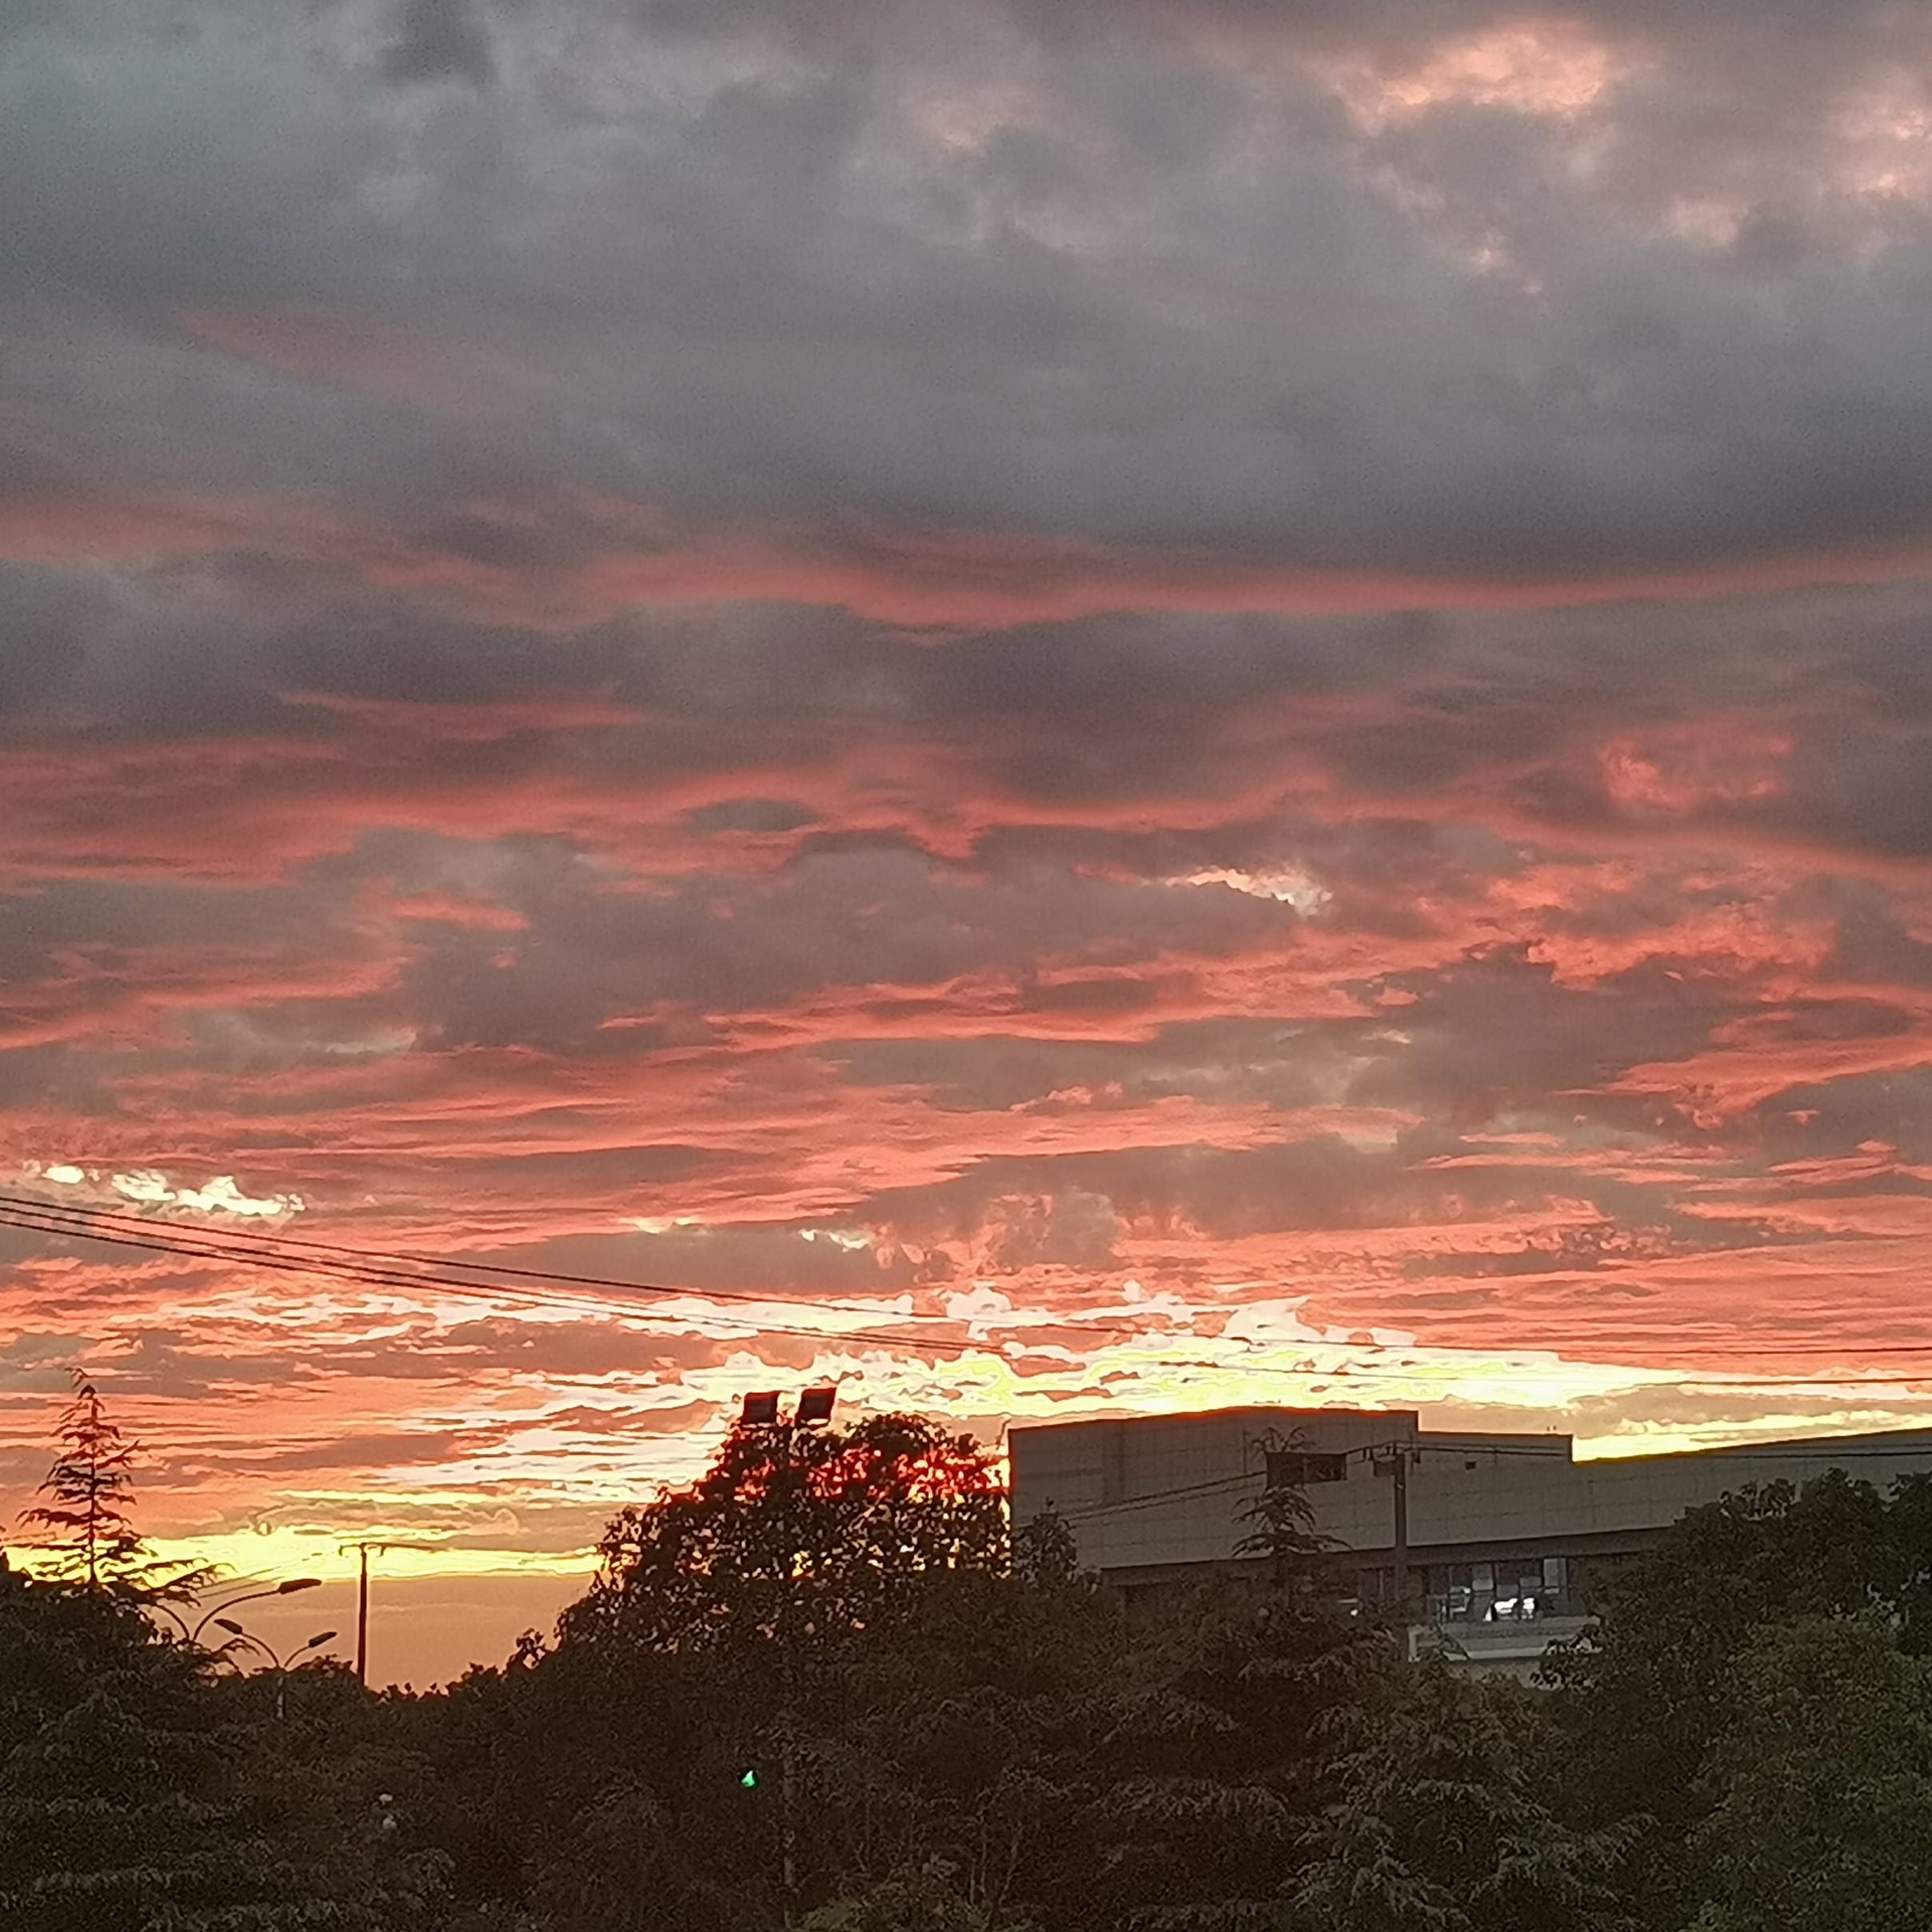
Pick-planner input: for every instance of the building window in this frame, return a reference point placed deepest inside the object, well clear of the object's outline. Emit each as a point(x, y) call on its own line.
point(1508, 1589)
point(1297, 1468)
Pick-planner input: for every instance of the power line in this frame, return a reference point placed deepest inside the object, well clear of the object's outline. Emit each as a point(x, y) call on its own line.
point(214, 1249)
point(1149, 1496)
point(364, 1267)
point(252, 1246)
point(379, 1265)
point(378, 1269)
point(1363, 1450)
point(334, 1251)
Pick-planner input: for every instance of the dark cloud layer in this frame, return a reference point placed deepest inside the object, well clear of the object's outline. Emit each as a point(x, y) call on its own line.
point(1468, 293)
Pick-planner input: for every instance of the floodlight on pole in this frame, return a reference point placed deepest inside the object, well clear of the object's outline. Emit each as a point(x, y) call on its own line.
point(762, 1410)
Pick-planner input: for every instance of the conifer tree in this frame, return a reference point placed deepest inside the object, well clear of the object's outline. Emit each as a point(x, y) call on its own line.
point(88, 1491)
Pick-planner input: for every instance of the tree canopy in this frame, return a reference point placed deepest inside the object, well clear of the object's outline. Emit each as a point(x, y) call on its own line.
point(790, 1527)
point(824, 1688)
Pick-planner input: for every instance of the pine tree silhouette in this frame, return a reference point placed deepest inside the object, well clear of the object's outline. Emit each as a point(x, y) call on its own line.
point(88, 1493)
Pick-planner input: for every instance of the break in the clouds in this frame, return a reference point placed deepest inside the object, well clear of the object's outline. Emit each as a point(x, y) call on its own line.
point(1060, 704)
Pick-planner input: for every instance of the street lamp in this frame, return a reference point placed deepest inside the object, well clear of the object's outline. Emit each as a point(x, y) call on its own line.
point(213, 1614)
point(279, 1664)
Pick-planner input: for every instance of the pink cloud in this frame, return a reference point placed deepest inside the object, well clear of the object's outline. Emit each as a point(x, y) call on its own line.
point(607, 558)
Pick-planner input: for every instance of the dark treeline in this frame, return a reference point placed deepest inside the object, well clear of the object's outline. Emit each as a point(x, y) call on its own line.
point(825, 1688)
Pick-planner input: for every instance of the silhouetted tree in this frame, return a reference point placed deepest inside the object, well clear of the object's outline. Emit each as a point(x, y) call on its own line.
point(922, 1899)
point(139, 1794)
point(88, 1492)
point(1046, 1555)
point(1643, 1696)
point(1206, 1764)
point(807, 1579)
point(831, 1529)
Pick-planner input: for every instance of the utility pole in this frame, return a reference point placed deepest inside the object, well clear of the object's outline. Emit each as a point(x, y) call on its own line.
point(1391, 1459)
point(362, 1616)
point(1402, 1523)
point(361, 1548)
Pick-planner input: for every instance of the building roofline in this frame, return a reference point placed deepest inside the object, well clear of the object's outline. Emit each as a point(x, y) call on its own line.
point(1880, 1442)
point(1225, 1409)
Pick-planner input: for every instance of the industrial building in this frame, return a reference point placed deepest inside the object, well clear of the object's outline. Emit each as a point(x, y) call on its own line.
point(1502, 1537)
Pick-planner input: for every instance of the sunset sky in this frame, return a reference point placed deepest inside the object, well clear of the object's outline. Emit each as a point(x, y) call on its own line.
point(1074, 707)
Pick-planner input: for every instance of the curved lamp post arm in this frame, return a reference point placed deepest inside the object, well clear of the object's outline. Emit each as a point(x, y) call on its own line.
point(173, 1617)
point(214, 1613)
point(238, 1634)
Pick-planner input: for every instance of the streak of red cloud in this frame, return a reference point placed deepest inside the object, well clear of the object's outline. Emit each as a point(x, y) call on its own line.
point(1731, 1079)
point(134, 997)
point(614, 558)
point(447, 909)
point(256, 808)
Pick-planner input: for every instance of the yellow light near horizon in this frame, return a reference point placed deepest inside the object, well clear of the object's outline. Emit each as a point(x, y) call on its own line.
point(280, 1552)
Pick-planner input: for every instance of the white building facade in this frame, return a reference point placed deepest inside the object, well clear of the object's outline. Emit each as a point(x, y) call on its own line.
point(1501, 1536)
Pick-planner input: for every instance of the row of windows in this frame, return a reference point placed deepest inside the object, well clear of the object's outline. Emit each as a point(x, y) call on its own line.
point(1513, 1590)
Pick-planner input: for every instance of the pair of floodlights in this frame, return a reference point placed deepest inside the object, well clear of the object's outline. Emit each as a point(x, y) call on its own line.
point(760, 1411)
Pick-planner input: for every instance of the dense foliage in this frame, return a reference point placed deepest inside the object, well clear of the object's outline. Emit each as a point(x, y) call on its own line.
point(141, 1789)
point(823, 1688)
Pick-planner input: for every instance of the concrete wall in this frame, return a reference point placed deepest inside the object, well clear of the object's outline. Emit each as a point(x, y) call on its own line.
point(1167, 1489)
point(1513, 1499)
point(1152, 1491)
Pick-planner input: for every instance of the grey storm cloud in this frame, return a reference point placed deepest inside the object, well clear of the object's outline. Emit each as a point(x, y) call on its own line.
point(1155, 275)
point(439, 40)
